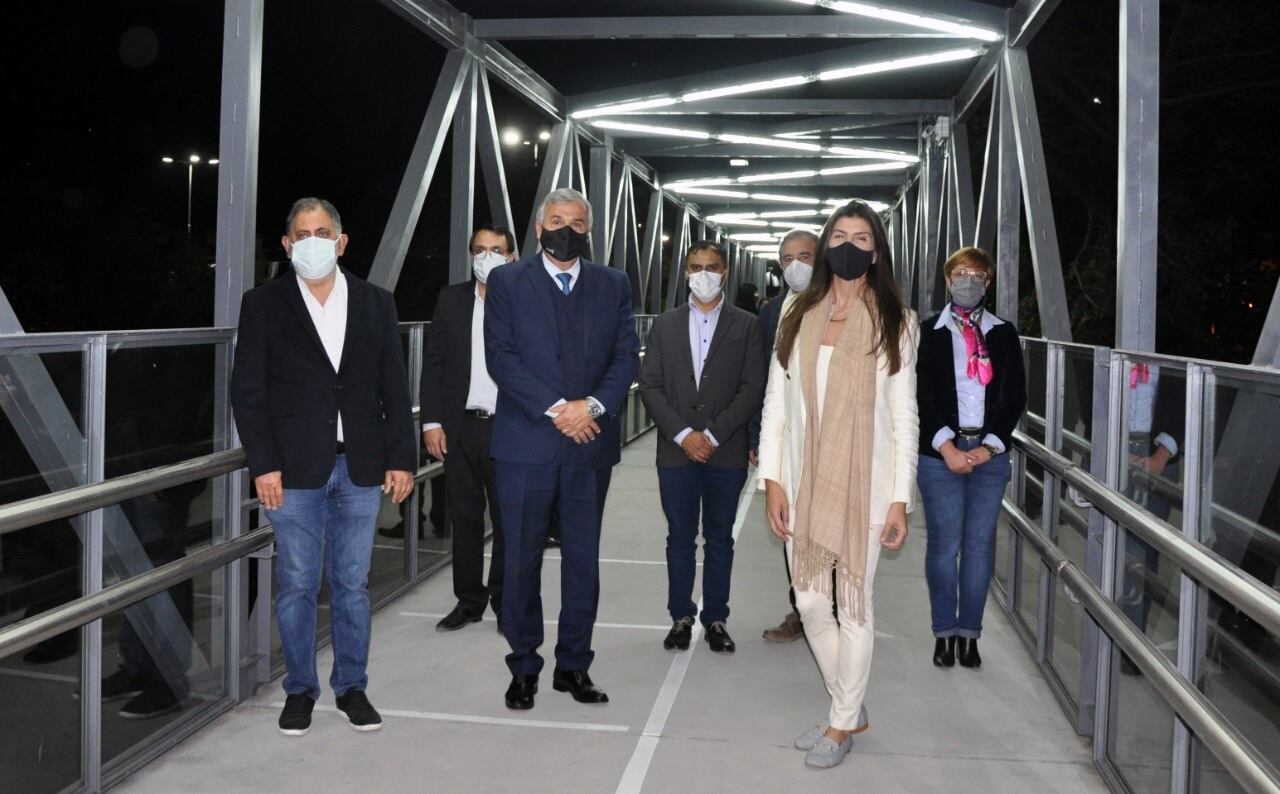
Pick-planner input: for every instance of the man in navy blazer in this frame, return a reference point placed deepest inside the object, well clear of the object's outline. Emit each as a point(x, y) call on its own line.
point(561, 344)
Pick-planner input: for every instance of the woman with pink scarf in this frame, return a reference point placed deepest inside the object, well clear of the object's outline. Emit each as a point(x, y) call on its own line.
point(971, 392)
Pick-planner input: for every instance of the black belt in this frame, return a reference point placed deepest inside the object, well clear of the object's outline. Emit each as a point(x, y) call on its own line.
point(341, 448)
point(970, 432)
point(479, 413)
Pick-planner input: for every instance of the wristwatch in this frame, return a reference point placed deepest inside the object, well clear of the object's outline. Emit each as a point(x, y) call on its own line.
point(991, 450)
point(594, 408)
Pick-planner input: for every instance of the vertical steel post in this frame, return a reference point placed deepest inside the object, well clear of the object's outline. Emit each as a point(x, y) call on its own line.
point(601, 181)
point(95, 423)
point(462, 185)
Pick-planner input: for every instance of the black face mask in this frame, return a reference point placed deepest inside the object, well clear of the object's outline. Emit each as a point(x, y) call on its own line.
point(564, 244)
point(848, 261)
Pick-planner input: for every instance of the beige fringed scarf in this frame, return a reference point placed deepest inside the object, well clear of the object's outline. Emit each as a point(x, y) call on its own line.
point(832, 521)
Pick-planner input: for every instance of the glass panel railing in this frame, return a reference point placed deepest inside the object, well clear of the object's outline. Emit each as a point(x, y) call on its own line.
point(1140, 734)
point(40, 723)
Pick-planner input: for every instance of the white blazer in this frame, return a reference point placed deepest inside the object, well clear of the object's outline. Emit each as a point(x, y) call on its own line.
point(897, 426)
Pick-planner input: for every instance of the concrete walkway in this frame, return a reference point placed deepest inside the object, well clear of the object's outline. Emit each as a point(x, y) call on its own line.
point(694, 722)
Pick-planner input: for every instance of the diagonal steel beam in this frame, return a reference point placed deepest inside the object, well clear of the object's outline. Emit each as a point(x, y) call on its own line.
point(962, 183)
point(975, 84)
point(601, 205)
point(984, 234)
point(424, 158)
point(489, 150)
point(1046, 258)
point(1006, 232)
point(550, 178)
point(650, 254)
point(1026, 18)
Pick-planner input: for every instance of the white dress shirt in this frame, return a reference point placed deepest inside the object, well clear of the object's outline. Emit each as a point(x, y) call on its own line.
point(1142, 409)
point(971, 394)
point(702, 329)
point(482, 393)
point(330, 319)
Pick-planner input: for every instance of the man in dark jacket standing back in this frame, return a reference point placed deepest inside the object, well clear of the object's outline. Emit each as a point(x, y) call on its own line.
point(321, 401)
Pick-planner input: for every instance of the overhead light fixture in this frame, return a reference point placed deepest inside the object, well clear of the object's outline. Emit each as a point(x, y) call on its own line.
point(906, 18)
point(790, 213)
point(649, 129)
point(634, 105)
point(746, 88)
point(811, 227)
point(866, 168)
point(872, 154)
point(777, 143)
point(708, 191)
point(775, 176)
point(740, 222)
point(753, 237)
point(738, 162)
point(779, 199)
point(626, 107)
point(898, 64)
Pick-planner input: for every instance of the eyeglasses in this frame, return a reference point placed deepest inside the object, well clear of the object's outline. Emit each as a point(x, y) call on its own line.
point(967, 273)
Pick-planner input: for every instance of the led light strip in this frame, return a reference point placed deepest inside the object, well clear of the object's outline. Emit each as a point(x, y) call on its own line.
point(755, 140)
point(906, 18)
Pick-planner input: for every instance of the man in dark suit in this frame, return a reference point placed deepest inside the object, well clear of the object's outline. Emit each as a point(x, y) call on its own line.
point(796, 254)
point(702, 380)
point(321, 401)
point(459, 401)
point(561, 343)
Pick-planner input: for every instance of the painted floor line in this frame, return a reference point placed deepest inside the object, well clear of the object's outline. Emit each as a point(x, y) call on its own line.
point(438, 716)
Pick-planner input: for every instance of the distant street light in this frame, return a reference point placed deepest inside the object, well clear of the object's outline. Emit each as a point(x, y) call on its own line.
point(512, 136)
point(192, 162)
point(545, 135)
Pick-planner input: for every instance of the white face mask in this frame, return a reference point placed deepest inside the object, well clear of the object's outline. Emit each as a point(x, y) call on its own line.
point(798, 275)
point(314, 257)
point(705, 285)
point(483, 264)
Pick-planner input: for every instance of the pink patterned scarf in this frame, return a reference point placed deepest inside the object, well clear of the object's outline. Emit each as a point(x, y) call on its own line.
point(975, 343)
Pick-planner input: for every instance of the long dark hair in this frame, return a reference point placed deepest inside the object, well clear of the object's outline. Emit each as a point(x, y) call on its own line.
point(890, 313)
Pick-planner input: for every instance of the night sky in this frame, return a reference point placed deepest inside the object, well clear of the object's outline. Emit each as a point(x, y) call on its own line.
point(97, 237)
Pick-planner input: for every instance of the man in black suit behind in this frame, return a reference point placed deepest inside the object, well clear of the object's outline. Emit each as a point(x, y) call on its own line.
point(702, 380)
point(321, 401)
point(459, 400)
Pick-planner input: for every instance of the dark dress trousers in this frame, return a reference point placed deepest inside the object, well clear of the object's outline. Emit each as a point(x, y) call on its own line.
point(286, 395)
point(1006, 395)
point(722, 401)
point(542, 346)
point(468, 465)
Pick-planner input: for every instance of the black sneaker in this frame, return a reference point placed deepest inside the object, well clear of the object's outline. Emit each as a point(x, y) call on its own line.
point(678, 638)
point(117, 686)
point(295, 719)
point(359, 711)
point(156, 700)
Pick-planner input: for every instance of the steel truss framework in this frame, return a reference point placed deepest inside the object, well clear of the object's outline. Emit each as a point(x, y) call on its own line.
point(932, 209)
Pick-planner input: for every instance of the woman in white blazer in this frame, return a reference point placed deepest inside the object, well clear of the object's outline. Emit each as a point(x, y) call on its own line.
point(839, 443)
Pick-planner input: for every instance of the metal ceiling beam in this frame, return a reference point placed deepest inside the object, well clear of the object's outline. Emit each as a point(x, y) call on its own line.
point(886, 178)
point(975, 85)
point(761, 70)
point(1026, 18)
point(441, 21)
point(843, 26)
point(840, 124)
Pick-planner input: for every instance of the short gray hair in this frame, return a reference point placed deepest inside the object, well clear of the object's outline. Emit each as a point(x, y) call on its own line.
point(796, 234)
point(307, 205)
point(565, 195)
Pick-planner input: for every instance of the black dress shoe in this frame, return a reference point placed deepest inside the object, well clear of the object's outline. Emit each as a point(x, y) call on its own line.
point(678, 638)
point(718, 638)
point(552, 543)
point(459, 617)
point(398, 531)
point(967, 653)
point(520, 694)
point(578, 684)
point(944, 651)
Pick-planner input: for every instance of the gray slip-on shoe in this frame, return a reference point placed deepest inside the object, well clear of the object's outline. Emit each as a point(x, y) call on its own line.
point(809, 738)
point(826, 753)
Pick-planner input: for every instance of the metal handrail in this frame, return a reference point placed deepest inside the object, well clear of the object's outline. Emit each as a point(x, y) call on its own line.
point(74, 614)
point(1248, 766)
point(93, 496)
point(1246, 593)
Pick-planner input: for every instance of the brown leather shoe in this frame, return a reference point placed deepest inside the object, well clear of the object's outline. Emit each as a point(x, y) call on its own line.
point(789, 630)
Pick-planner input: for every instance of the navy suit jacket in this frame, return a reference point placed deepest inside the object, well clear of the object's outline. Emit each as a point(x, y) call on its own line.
point(521, 349)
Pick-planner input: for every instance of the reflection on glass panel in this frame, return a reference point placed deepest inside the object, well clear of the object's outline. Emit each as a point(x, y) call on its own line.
point(1242, 668)
point(1148, 592)
point(1029, 588)
point(1140, 737)
point(434, 538)
point(1004, 535)
point(40, 731)
point(159, 406)
point(1068, 614)
point(158, 671)
point(1153, 425)
point(387, 567)
point(1077, 407)
point(1215, 779)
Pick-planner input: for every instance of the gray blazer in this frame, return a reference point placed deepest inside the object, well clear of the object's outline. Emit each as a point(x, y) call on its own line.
point(730, 393)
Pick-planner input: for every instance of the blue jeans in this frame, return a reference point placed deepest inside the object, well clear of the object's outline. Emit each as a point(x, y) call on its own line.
point(340, 516)
point(961, 511)
point(685, 491)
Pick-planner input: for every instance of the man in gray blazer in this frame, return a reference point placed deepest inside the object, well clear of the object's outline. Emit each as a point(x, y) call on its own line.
point(702, 379)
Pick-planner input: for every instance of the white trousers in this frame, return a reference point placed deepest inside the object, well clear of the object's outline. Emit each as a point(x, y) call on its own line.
point(842, 649)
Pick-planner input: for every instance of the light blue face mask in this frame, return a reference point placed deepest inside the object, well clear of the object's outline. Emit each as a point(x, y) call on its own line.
point(968, 291)
point(314, 257)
